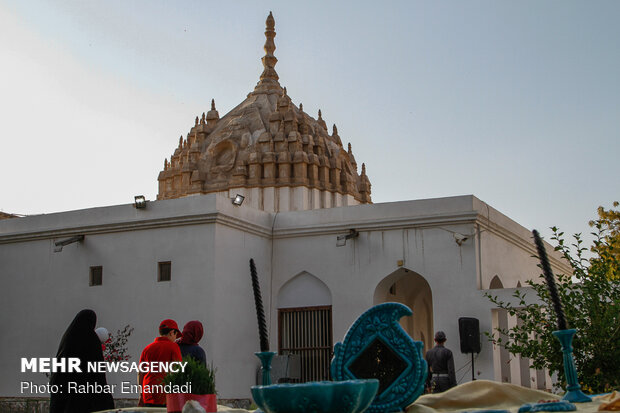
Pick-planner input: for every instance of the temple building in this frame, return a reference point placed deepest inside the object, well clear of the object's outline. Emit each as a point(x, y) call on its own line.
point(269, 150)
point(324, 254)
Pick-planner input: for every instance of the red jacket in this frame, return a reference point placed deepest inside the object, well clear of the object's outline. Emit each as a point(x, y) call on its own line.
point(164, 350)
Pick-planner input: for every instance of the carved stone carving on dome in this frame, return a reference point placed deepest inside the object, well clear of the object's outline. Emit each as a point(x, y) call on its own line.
point(245, 140)
point(294, 136)
point(222, 157)
point(264, 137)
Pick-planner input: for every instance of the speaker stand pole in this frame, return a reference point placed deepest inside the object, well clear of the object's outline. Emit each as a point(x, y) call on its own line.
point(472, 367)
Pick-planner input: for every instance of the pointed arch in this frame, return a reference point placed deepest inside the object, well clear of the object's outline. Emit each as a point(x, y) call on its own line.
point(496, 283)
point(409, 288)
point(304, 290)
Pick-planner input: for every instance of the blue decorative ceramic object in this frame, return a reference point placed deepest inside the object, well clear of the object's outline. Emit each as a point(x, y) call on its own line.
point(486, 411)
point(573, 389)
point(559, 406)
point(265, 358)
point(350, 396)
point(376, 346)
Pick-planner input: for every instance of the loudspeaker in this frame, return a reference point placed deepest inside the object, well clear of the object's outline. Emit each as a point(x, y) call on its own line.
point(469, 332)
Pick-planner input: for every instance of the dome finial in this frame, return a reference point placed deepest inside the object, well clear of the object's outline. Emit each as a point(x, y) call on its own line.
point(363, 169)
point(320, 118)
point(349, 148)
point(269, 60)
point(212, 104)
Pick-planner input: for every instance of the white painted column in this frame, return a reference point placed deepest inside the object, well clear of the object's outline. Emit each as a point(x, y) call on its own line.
point(315, 199)
point(497, 357)
point(515, 360)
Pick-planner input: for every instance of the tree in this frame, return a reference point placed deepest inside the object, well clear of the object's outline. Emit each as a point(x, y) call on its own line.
point(591, 300)
point(609, 222)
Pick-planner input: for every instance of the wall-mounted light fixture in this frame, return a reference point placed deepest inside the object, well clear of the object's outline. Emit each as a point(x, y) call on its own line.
point(59, 244)
point(460, 238)
point(139, 201)
point(341, 240)
point(238, 200)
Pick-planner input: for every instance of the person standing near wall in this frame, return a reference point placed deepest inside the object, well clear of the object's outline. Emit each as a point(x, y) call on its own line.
point(440, 365)
point(80, 341)
point(163, 349)
point(192, 333)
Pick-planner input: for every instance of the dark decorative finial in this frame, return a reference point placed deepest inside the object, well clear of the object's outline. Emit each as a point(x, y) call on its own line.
point(553, 291)
point(181, 141)
point(165, 164)
point(301, 106)
point(363, 169)
point(212, 104)
point(260, 313)
point(349, 148)
point(320, 118)
point(335, 130)
point(202, 119)
point(196, 123)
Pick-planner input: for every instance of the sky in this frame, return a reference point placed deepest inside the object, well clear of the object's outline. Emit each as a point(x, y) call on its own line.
point(515, 102)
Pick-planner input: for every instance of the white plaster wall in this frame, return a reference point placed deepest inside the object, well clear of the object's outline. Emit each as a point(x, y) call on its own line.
point(507, 249)
point(44, 290)
point(233, 324)
point(210, 242)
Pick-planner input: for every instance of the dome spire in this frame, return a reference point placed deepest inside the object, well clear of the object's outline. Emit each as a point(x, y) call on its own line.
point(269, 74)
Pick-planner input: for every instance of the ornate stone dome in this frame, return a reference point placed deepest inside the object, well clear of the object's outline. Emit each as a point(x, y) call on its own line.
point(267, 149)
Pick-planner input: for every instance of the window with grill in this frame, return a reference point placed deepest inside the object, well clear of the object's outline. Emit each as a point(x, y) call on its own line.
point(95, 276)
point(164, 271)
point(307, 331)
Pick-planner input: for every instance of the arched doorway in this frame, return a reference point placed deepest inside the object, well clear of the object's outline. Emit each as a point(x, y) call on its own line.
point(305, 325)
point(410, 288)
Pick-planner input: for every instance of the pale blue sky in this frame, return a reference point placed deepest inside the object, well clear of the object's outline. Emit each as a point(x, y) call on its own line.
point(515, 102)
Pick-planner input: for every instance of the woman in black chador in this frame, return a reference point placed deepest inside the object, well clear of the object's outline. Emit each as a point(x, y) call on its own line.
point(81, 341)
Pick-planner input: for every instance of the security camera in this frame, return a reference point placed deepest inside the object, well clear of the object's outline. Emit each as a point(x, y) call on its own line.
point(460, 238)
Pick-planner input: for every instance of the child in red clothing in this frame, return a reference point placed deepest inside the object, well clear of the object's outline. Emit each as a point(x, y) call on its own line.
point(163, 349)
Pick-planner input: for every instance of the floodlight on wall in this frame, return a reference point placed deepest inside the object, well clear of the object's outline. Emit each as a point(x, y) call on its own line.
point(139, 201)
point(341, 240)
point(460, 238)
point(238, 200)
point(59, 244)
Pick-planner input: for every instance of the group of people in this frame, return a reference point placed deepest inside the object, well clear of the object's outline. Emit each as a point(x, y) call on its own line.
point(171, 345)
point(82, 341)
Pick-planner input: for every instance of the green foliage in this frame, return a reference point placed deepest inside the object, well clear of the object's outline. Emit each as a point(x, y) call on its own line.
point(609, 223)
point(200, 376)
point(591, 300)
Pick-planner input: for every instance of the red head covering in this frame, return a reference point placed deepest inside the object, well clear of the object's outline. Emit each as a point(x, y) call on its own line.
point(192, 333)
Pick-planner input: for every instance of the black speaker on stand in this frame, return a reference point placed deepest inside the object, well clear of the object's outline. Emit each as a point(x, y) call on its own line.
point(469, 332)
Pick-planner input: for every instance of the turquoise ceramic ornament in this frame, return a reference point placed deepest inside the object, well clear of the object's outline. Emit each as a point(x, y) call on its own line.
point(376, 346)
point(351, 396)
point(559, 406)
point(265, 358)
point(573, 389)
